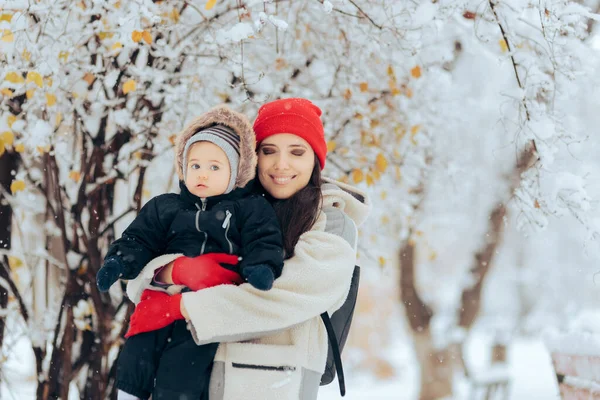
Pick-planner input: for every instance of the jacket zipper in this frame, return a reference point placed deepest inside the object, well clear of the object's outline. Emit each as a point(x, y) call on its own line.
point(283, 368)
point(226, 225)
point(201, 209)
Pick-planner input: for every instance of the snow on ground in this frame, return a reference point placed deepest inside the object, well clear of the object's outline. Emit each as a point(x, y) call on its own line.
point(530, 369)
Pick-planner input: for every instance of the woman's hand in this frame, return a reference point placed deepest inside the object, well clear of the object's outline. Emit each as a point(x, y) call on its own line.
point(205, 271)
point(155, 311)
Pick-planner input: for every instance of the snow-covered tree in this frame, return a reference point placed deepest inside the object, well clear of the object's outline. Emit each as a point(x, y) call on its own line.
point(428, 105)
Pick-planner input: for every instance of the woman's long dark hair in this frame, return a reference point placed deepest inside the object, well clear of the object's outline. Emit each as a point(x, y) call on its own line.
point(299, 213)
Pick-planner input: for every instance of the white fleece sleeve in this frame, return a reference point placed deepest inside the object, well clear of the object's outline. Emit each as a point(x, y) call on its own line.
point(316, 279)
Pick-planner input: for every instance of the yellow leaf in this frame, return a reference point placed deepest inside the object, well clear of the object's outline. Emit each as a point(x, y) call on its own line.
point(136, 36)
point(1, 147)
point(14, 262)
point(14, 77)
point(75, 175)
point(7, 36)
point(390, 70)
point(64, 56)
point(11, 120)
point(357, 176)
point(17, 186)
point(147, 36)
point(416, 72)
point(50, 99)
point(432, 256)
point(370, 180)
point(7, 92)
point(105, 35)
point(210, 4)
point(173, 139)
point(376, 174)
point(348, 94)
point(117, 46)
point(175, 15)
point(117, 5)
point(89, 78)
point(7, 137)
point(48, 81)
point(26, 55)
point(58, 119)
point(19, 148)
point(503, 45)
point(82, 271)
point(415, 129)
point(30, 94)
point(43, 149)
point(129, 86)
point(36, 78)
point(409, 93)
point(280, 63)
point(396, 91)
point(381, 261)
point(344, 179)
point(364, 86)
point(331, 145)
point(381, 163)
point(6, 17)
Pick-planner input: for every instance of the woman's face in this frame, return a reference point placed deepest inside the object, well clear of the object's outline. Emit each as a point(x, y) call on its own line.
point(285, 164)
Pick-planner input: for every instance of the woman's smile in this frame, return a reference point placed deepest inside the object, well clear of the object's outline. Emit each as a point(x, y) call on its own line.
point(282, 180)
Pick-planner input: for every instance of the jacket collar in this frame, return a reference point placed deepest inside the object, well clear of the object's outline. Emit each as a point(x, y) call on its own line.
point(191, 199)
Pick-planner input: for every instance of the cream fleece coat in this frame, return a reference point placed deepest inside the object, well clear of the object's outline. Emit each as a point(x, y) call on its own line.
point(273, 343)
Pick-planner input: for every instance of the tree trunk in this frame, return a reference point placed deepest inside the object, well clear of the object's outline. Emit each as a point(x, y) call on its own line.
point(437, 366)
point(8, 163)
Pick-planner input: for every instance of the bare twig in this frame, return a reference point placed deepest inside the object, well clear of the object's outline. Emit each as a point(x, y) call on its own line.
point(366, 15)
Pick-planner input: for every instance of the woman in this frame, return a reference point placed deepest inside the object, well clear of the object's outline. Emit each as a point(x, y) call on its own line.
point(273, 344)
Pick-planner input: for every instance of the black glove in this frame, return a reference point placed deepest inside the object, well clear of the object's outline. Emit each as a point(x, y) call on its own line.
point(260, 276)
point(109, 273)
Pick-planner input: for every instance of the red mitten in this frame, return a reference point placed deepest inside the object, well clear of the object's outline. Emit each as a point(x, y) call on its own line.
point(205, 271)
point(154, 311)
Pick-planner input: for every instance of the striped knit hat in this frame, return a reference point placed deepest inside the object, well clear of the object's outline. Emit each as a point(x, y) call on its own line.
point(224, 137)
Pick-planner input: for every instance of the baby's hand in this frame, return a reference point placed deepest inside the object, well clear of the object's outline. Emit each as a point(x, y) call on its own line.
point(109, 273)
point(260, 276)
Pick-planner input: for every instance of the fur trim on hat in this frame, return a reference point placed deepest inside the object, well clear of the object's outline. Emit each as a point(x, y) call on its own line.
point(239, 123)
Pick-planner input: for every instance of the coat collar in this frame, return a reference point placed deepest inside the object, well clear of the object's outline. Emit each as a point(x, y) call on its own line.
point(191, 199)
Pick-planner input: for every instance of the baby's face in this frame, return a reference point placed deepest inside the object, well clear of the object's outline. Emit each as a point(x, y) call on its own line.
point(208, 170)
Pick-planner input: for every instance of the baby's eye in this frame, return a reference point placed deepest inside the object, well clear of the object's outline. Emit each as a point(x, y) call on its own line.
point(214, 168)
point(195, 166)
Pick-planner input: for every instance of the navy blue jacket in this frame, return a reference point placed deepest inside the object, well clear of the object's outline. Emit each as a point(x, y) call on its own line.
point(240, 222)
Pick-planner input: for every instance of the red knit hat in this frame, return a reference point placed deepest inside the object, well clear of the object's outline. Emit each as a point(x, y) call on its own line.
point(297, 116)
